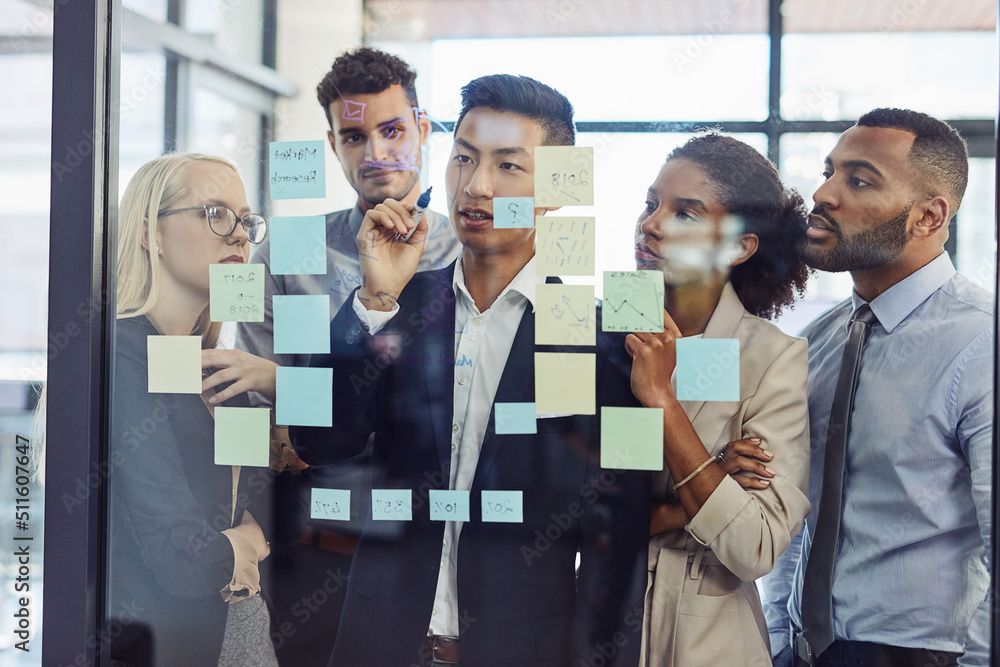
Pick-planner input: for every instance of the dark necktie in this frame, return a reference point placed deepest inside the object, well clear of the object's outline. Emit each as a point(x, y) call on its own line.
point(817, 599)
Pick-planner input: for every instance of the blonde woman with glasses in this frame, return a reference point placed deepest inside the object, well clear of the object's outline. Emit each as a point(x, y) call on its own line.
point(184, 545)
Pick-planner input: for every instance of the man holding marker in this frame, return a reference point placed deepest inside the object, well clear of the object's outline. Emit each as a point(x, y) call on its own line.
point(446, 584)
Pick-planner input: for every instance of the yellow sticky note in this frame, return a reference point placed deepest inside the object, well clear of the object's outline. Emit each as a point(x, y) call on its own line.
point(564, 246)
point(174, 364)
point(564, 176)
point(242, 436)
point(632, 438)
point(236, 292)
point(565, 315)
point(565, 383)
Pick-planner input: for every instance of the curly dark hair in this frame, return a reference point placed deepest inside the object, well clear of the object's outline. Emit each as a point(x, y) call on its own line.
point(748, 186)
point(364, 71)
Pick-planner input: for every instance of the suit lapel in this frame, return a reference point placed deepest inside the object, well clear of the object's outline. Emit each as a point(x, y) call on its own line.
point(436, 360)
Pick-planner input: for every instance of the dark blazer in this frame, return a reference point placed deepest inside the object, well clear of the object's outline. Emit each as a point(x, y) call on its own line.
point(169, 502)
point(520, 600)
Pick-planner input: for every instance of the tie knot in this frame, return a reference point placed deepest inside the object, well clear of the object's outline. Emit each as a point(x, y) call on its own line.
point(865, 315)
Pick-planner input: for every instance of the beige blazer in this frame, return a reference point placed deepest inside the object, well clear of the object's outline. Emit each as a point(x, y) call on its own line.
point(702, 606)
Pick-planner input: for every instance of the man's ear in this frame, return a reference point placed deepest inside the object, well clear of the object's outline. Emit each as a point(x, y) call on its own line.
point(934, 215)
point(749, 244)
point(424, 125)
point(333, 142)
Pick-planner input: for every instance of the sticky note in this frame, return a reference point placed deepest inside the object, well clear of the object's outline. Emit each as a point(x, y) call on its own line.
point(565, 315)
point(514, 418)
point(242, 436)
point(708, 369)
point(449, 505)
point(513, 212)
point(297, 169)
point(304, 396)
point(301, 324)
point(633, 301)
point(174, 364)
point(632, 438)
point(298, 245)
point(236, 292)
point(564, 246)
point(565, 383)
point(332, 504)
point(392, 505)
point(564, 176)
point(503, 506)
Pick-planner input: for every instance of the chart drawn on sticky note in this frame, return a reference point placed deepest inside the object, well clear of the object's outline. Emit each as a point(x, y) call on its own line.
point(297, 169)
point(334, 504)
point(236, 292)
point(565, 315)
point(633, 301)
point(564, 176)
point(708, 369)
point(564, 246)
point(518, 212)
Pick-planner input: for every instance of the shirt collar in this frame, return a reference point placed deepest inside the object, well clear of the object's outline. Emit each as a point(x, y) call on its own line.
point(523, 283)
point(896, 303)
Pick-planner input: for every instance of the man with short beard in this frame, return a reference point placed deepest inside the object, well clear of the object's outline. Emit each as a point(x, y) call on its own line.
point(892, 565)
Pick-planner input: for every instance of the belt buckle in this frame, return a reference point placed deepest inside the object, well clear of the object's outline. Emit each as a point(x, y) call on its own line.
point(803, 651)
point(443, 639)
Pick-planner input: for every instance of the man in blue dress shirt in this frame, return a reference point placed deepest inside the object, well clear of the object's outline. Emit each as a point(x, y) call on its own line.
point(911, 564)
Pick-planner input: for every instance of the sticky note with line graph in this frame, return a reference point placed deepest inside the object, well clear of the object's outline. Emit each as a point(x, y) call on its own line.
point(633, 301)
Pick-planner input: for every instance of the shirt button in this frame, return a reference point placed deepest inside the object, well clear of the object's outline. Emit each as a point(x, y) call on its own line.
point(477, 321)
point(472, 336)
point(454, 448)
point(454, 428)
point(355, 328)
point(434, 612)
point(462, 380)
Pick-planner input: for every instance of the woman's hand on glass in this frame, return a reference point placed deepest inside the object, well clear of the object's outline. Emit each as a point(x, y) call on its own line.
point(747, 455)
point(246, 372)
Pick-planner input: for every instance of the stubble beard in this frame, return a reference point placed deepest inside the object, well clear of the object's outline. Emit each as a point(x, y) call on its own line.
point(869, 249)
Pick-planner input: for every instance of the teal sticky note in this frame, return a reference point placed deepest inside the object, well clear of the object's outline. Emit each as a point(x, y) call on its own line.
point(392, 505)
point(242, 436)
point(236, 292)
point(708, 369)
point(301, 323)
point(304, 396)
point(297, 169)
point(298, 245)
point(633, 301)
point(449, 505)
point(332, 504)
point(514, 418)
point(503, 506)
point(632, 438)
point(513, 212)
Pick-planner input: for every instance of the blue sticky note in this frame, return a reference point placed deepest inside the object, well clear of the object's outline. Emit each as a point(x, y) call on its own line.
point(514, 418)
point(298, 245)
point(631, 438)
point(332, 504)
point(392, 504)
point(301, 324)
point(708, 369)
point(513, 212)
point(503, 506)
point(297, 169)
point(304, 396)
point(449, 505)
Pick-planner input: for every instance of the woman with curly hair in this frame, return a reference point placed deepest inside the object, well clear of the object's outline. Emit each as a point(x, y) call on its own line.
point(727, 236)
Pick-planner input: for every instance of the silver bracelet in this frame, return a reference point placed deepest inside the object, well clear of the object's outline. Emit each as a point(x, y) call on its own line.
point(697, 470)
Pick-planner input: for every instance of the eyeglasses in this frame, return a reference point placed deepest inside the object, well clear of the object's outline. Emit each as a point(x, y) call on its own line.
point(222, 220)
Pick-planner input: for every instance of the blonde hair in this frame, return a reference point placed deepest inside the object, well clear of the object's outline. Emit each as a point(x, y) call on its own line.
point(157, 186)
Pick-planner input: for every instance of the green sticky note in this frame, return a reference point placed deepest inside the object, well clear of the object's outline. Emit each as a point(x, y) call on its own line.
point(512, 418)
point(333, 504)
point(298, 245)
point(301, 323)
point(173, 364)
point(449, 505)
point(633, 301)
point(297, 169)
point(708, 369)
point(564, 176)
point(565, 383)
point(503, 506)
point(513, 212)
point(392, 505)
point(304, 396)
point(242, 436)
point(565, 315)
point(564, 246)
point(236, 292)
point(632, 438)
